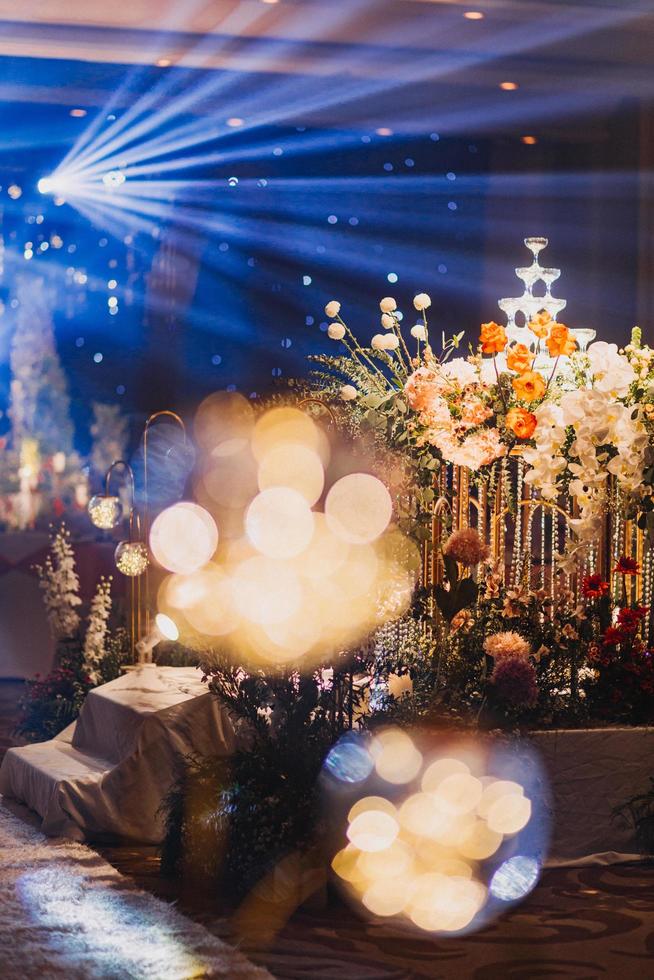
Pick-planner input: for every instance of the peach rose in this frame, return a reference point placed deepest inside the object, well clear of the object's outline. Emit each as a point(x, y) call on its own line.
point(521, 422)
point(559, 341)
point(530, 386)
point(540, 324)
point(519, 358)
point(493, 338)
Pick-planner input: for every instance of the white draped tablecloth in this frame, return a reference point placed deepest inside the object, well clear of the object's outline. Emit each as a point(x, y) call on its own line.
point(591, 771)
point(107, 774)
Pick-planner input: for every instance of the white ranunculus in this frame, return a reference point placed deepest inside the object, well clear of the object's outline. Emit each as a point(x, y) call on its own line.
point(391, 342)
point(348, 393)
point(387, 321)
point(378, 342)
point(336, 331)
point(333, 308)
point(422, 301)
point(418, 331)
point(611, 371)
point(388, 304)
point(460, 370)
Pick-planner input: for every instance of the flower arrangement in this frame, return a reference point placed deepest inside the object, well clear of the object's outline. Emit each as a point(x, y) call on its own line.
point(580, 422)
point(84, 658)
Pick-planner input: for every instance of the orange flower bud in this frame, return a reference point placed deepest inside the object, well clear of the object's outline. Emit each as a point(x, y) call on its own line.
point(519, 358)
point(540, 324)
point(493, 338)
point(559, 341)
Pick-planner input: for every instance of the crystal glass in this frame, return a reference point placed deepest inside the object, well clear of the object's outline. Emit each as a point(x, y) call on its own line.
point(530, 275)
point(510, 307)
point(536, 245)
point(554, 306)
point(584, 336)
point(549, 276)
point(105, 511)
point(131, 558)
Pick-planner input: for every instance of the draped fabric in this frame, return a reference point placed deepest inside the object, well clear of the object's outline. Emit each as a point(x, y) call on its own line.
point(107, 774)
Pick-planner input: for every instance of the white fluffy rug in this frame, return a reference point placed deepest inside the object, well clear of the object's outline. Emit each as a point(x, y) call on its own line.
point(64, 912)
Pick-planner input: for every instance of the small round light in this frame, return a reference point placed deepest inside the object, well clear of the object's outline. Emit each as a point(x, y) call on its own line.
point(474, 15)
point(105, 511)
point(113, 179)
point(529, 140)
point(131, 558)
point(77, 113)
point(509, 86)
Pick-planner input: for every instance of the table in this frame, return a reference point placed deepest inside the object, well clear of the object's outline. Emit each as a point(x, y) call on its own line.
point(106, 775)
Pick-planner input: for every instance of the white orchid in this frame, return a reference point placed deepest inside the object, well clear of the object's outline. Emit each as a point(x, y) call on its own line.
point(611, 371)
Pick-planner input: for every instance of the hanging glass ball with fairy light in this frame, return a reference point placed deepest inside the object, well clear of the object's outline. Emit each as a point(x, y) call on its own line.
point(131, 558)
point(105, 511)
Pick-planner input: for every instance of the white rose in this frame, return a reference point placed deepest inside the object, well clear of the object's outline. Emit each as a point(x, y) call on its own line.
point(387, 321)
point(422, 301)
point(418, 331)
point(388, 304)
point(391, 342)
point(336, 331)
point(333, 308)
point(348, 393)
point(378, 342)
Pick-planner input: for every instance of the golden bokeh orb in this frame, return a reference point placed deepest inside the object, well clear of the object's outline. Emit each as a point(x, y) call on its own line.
point(183, 537)
point(358, 508)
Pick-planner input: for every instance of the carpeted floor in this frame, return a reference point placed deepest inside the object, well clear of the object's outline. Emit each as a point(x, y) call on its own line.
point(579, 923)
point(65, 912)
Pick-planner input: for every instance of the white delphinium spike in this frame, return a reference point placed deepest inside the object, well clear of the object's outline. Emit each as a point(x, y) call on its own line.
point(96, 631)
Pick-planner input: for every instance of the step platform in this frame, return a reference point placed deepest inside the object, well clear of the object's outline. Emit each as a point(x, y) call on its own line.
point(105, 776)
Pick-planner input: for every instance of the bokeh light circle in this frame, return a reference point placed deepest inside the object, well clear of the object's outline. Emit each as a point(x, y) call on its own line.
point(290, 464)
point(457, 833)
point(183, 537)
point(358, 508)
point(279, 523)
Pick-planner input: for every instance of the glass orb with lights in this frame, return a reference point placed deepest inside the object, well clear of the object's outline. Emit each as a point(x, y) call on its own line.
point(105, 511)
point(131, 558)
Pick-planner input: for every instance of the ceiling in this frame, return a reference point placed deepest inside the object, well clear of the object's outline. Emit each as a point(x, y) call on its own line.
point(578, 56)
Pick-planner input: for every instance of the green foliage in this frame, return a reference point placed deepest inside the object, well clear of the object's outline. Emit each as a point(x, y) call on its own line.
point(638, 813)
point(233, 819)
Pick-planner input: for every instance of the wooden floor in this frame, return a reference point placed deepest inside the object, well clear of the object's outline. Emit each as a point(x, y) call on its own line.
point(579, 923)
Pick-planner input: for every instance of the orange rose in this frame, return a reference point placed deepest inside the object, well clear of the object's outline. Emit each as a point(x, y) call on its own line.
point(521, 422)
point(559, 341)
point(493, 338)
point(519, 358)
point(540, 324)
point(529, 386)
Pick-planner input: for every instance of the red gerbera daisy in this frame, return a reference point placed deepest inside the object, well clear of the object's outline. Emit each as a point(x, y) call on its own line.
point(627, 566)
point(594, 587)
point(612, 636)
point(630, 618)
